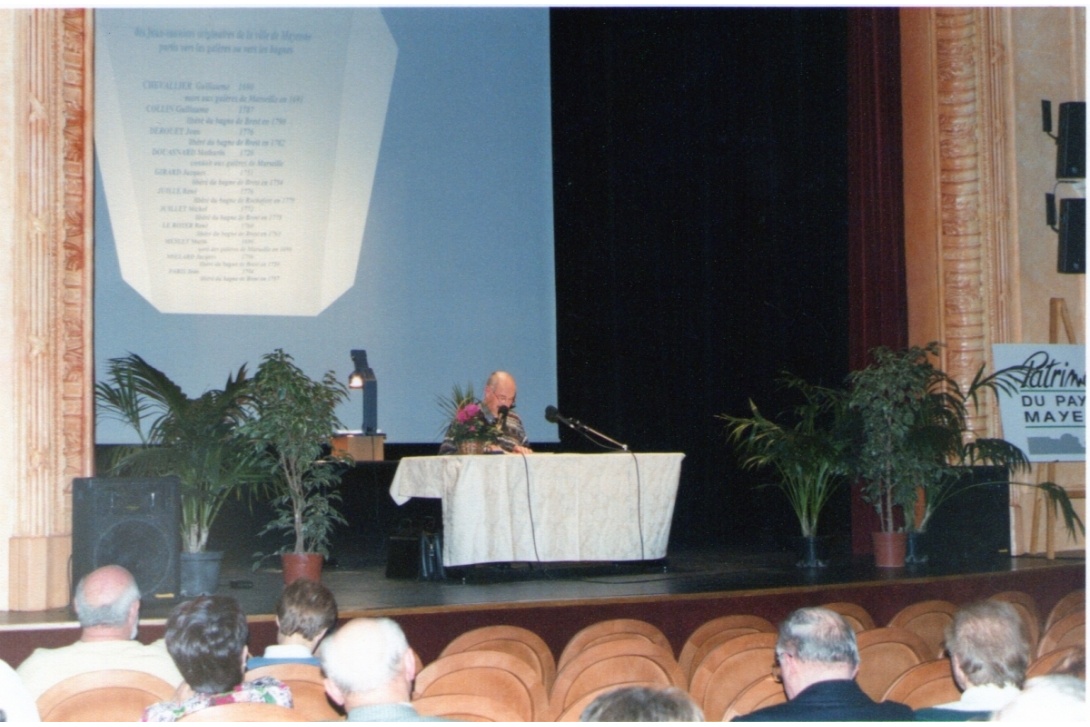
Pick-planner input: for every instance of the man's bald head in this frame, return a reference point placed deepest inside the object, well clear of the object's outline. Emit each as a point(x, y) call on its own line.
point(106, 597)
point(499, 390)
point(368, 657)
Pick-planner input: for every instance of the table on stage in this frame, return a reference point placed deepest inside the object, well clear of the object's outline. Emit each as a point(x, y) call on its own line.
point(547, 507)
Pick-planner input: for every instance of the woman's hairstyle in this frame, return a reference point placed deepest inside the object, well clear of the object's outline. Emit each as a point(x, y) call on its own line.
point(206, 637)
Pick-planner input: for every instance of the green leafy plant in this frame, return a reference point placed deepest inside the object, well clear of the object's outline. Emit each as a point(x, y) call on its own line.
point(809, 450)
point(196, 439)
point(914, 435)
point(293, 417)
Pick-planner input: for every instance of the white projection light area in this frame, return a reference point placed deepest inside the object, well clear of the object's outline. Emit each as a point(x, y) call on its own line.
point(238, 152)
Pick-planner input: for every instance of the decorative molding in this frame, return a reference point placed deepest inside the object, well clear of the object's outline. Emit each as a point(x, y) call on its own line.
point(51, 294)
point(974, 224)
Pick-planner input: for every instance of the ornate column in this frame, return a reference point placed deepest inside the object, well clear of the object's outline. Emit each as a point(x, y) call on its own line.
point(47, 267)
point(958, 218)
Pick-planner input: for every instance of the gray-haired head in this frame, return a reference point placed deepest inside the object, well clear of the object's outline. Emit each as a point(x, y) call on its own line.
point(642, 704)
point(818, 635)
point(987, 641)
point(104, 597)
point(363, 654)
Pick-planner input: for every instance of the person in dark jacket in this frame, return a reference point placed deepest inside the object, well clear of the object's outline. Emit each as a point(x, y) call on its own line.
point(818, 659)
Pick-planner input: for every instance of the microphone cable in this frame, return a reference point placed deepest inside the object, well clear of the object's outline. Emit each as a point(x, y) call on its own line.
point(639, 504)
point(530, 504)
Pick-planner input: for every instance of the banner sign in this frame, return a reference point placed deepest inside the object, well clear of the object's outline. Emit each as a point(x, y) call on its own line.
point(1046, 415)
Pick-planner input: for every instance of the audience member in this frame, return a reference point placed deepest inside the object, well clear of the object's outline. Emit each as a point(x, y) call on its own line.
point(989, 653)
point(369, 670)
point(15, 704)
point(305, 612)
point(206, 637)
point(1049, 698)
point(818, 660)
point(642, 704)
point(107, 603)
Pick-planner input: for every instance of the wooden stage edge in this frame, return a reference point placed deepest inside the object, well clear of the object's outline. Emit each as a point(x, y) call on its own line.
point(556, 606)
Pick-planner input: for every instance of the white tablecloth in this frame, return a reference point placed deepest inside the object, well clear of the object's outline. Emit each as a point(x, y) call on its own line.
point(547, 507)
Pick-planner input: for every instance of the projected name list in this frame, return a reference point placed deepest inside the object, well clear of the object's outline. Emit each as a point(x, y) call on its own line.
point(222, 227)
point(238, 138)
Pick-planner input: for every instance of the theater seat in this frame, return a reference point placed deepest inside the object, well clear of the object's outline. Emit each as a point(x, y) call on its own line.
point(245, 712)
point(110, 695)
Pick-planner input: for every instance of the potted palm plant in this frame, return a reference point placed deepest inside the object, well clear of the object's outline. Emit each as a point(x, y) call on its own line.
point(197, 440)
point(293, 418)
point(915, 441)
point(809, 453)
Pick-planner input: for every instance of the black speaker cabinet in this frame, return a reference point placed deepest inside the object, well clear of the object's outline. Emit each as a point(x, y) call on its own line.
point(973, 525)
point(1072, 236)
point(1071, 141)
point(132, 522)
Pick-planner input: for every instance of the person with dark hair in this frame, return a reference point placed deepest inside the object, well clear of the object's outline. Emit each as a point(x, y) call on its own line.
point(206, 637)
point(107, 603)
point(305, 612)
point(818, 659)
point(642, 704)
point(989, 654)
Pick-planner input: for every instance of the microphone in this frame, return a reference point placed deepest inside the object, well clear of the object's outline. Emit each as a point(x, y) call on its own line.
point(554, 416)
point(502, 410)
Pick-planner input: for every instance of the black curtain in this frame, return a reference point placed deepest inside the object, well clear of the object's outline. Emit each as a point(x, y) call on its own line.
point(700, 176)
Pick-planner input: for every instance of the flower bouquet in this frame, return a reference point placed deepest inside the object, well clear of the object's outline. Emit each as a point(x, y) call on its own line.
point(468, 427)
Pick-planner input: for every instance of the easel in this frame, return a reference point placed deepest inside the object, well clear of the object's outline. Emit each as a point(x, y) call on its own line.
point(1057, 314)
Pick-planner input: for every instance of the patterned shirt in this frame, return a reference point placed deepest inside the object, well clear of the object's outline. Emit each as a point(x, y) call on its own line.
point(269, 690)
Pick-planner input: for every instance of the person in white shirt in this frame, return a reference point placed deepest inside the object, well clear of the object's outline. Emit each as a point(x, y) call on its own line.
point(305, 612)
point(989, 654)
point(15, 704)
point(107, 602)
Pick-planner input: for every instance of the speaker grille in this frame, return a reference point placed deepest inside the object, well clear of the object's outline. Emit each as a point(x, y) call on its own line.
point(132, 522)
point(149, 563)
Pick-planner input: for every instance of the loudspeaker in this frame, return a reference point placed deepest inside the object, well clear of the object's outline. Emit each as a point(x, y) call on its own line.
point(1072, 236)
point(973, 525)
point(132, 522)
point(1071, 141)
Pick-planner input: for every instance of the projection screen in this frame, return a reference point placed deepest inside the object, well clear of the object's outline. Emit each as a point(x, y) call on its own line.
point(328, 180)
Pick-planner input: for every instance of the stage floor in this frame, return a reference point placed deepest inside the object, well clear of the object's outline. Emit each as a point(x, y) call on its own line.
point(361, 587)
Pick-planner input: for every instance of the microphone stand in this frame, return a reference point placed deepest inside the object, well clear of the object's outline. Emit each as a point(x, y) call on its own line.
point(586, 430)
point(614, 442)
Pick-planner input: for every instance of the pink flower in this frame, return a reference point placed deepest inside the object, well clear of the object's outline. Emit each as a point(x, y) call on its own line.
point(467, 412)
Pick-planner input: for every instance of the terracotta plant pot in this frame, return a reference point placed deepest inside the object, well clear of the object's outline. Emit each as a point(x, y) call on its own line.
point(889, 549)
point(301, 565)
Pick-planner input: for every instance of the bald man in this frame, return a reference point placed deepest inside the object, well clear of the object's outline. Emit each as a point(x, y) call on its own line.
point(107, 602)
point(500, 391)
point(369, 670)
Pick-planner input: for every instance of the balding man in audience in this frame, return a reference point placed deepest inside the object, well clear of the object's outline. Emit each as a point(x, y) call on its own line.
point(989, 653)
point(818, 660)
point(369, 670)
point(107, 602)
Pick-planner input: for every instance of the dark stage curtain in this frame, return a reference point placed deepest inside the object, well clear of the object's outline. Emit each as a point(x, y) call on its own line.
point(701, 195)
point(876, 271)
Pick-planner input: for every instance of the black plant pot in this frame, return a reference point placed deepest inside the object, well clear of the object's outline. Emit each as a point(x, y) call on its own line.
point(916, 548)
point(200, 573)
point(812, 552)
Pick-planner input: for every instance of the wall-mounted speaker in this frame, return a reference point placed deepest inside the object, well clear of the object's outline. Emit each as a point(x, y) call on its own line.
point(133, 522)
point(1071, 141)
point(1072, 236)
